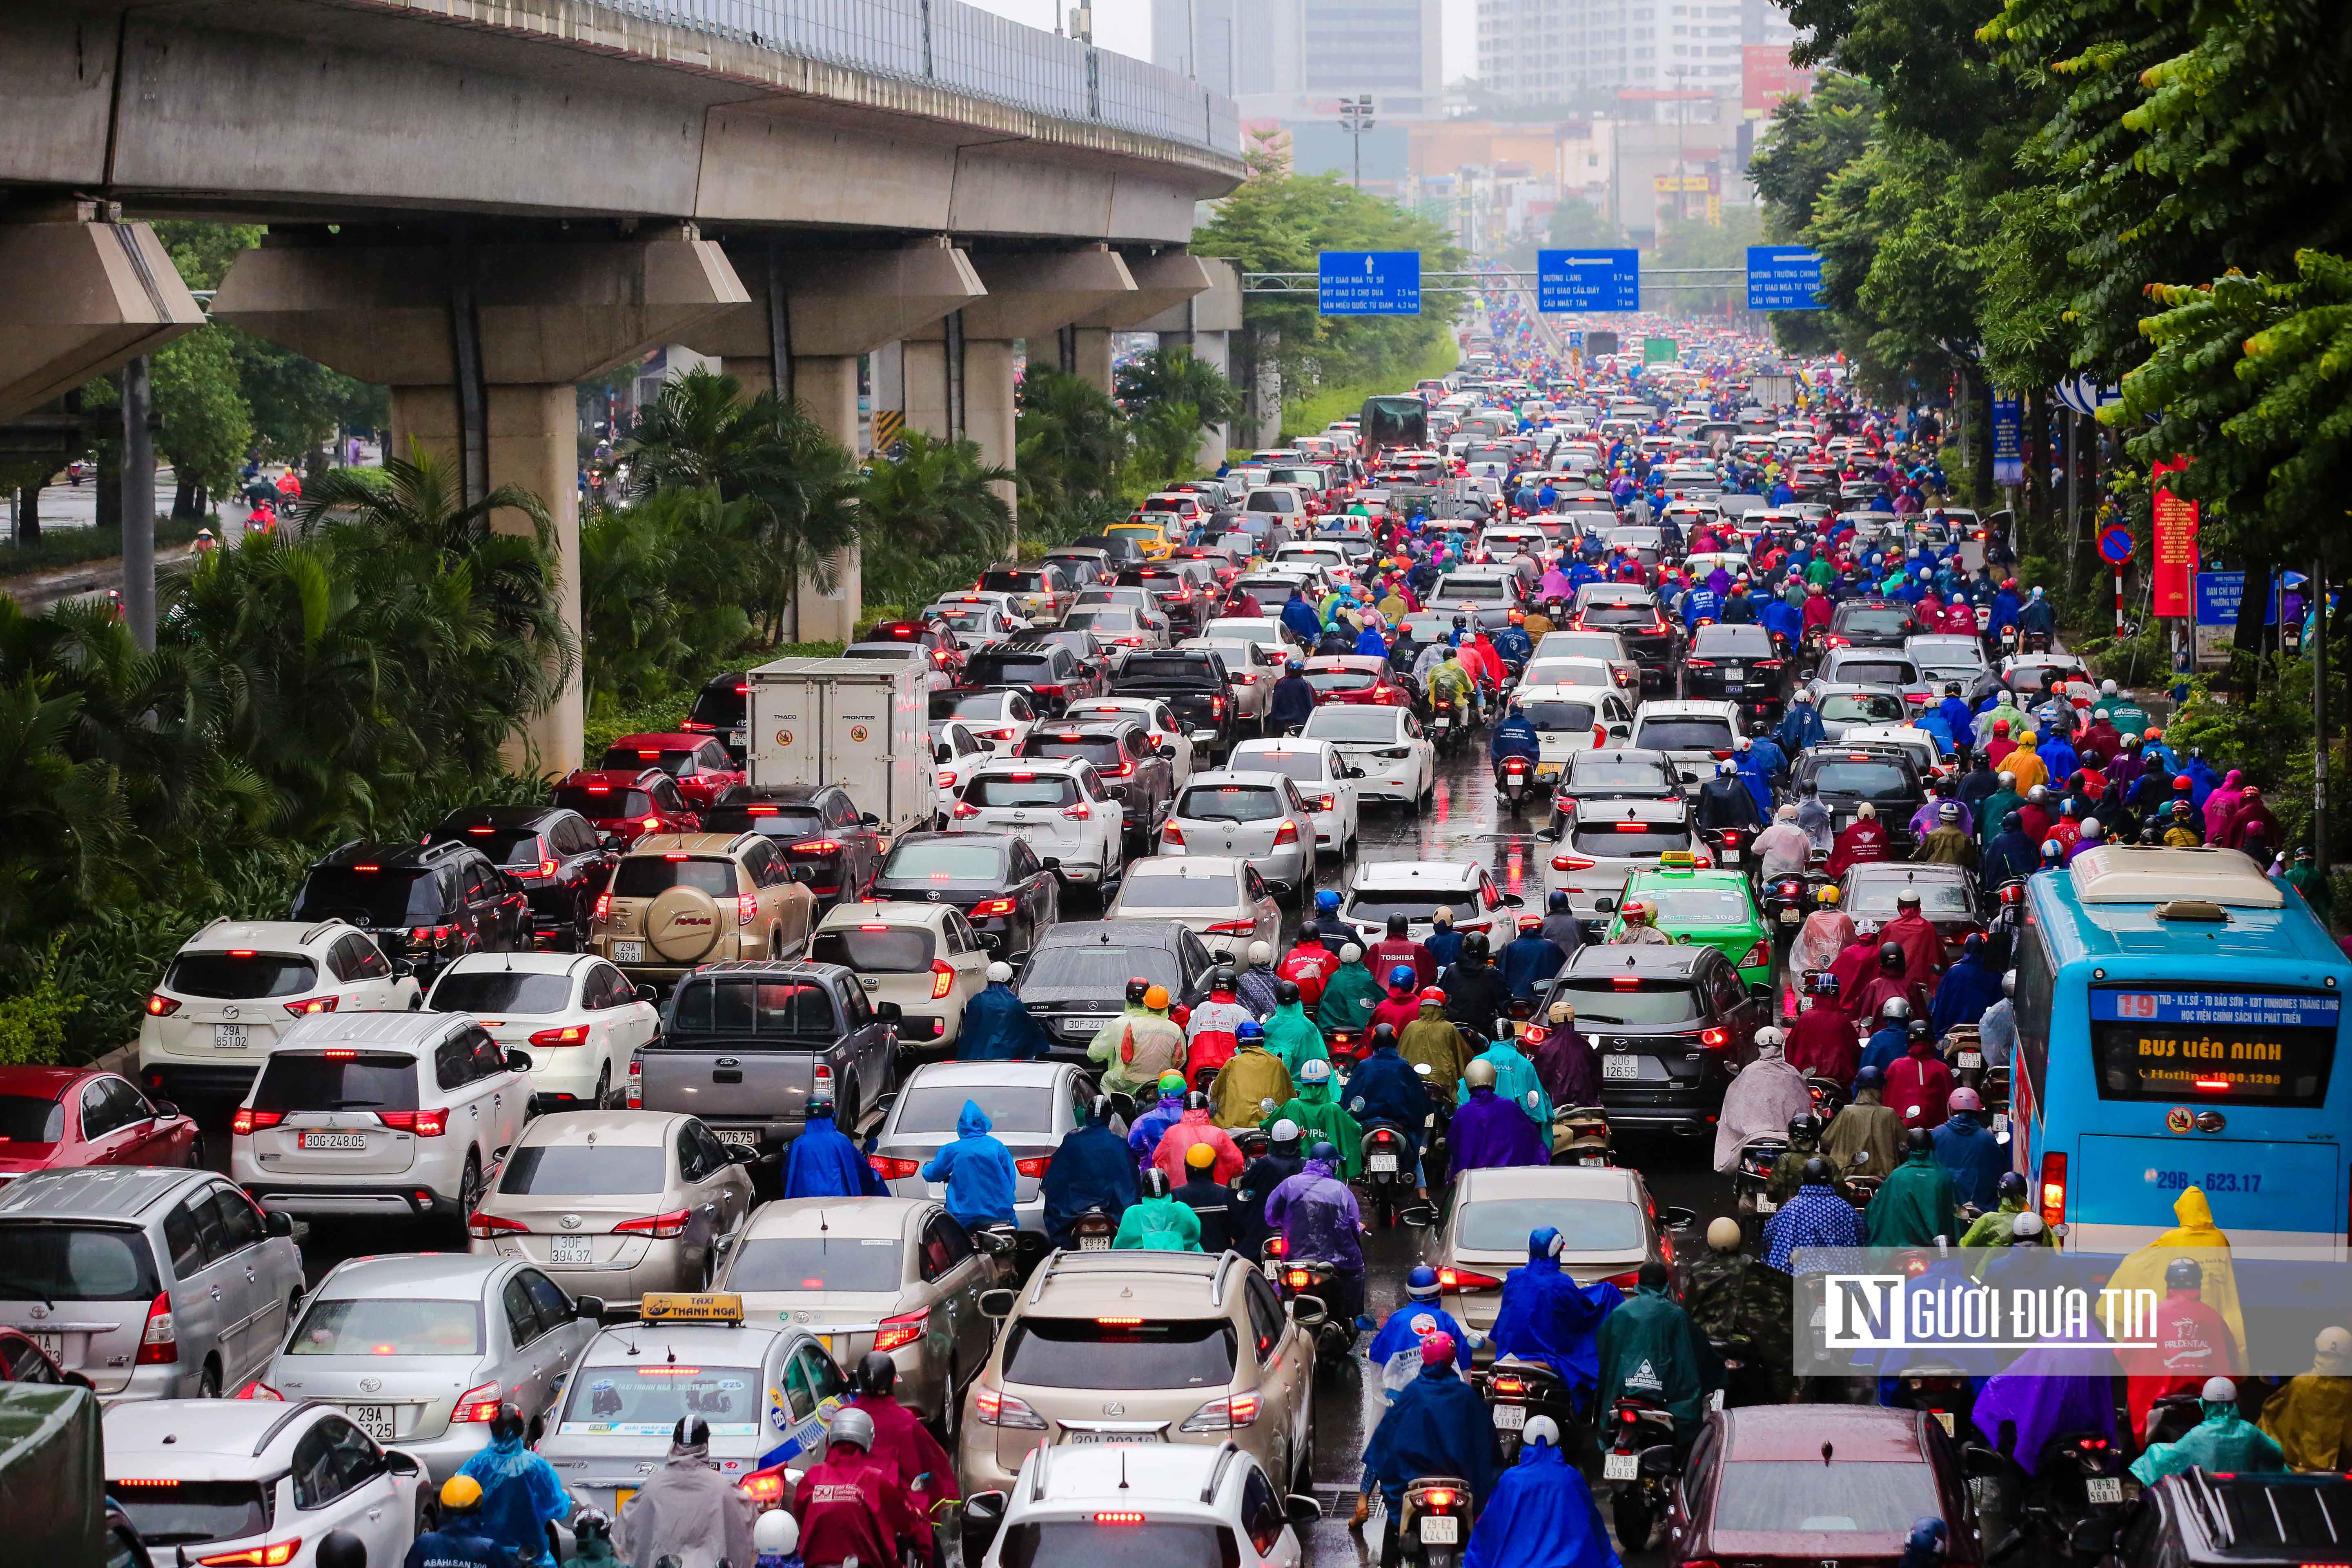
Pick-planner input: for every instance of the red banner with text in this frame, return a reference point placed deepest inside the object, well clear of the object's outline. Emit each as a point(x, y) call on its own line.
point(2174, 575)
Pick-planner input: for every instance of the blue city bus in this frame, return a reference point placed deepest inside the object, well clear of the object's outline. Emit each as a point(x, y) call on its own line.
point(2178, 1019)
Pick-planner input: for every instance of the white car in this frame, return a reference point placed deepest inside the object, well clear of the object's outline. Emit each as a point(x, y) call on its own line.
point(257, 1482)
point(1277, 640)
point(1250, 673)
point(1943, 658)
point(1324, 777)
point(937, 677)
point(1260, 817)
point(924, 957)
point(1060, 805)
point(977, 620)
point(237, 985)
point(1572, 719)
point(1695, 734)
point(1186, 1503)
point(1414, 889)
point(1159, 725)
point(578, 1017)
point(379, 1113)
point(1001, 718)
point(1220, 897)
point(956, 754)
point(1567, 670)
point(1396, 762)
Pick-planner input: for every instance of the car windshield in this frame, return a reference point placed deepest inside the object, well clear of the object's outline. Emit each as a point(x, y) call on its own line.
point(1865, 1496)
point(1863, 708)
point(388, 1325)
point(762, 817)
point(41, 1261)
point(1694, 906)
point(674, 760)
point(1021, 789)
point(570, 1169)
point(1103, 750)
point(1877, 671)
point(391, 897)
point(1106, 618)
point(1586, 1225)
point(931, 1108)
point(944, 860)
point(1629, 840)
point(240, 975)
point(1695, 732)
point(1231, 803)
point(1199, 891)
point(1733, 642)
point(1873, 779)
point(1285, 760)
point(1082, 1543)
point(31, 1118)
point(1607, 999)
point(1101, 966)
point(602, 802)
point(1939, 898)
point(873, 948)
point(649, 1400)
point(1341, 679)
point(501, 991)
point(1105, 1353)
point(1635, 616)
point(645, 876)
point(1374, 906)
point(357, 1081)
point(1546, 714)
point(516, 846)
point(1352, 724)
point(185, 1513)
point(1586, 771)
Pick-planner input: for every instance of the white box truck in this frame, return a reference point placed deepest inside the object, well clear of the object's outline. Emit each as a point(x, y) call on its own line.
point(864, 724)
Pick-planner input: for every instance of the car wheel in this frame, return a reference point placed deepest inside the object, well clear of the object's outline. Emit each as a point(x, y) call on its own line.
point(1302, 1465)
point(950, 1422)
point(208, 1382)
point(196, 1152)
point(470, 1186)
point(604, 1085)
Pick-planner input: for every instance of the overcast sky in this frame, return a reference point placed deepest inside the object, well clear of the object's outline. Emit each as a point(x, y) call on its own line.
point(1125, 27)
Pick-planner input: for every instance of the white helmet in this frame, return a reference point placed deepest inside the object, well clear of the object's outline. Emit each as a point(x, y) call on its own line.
point(2106, 687)
point(2219, 1390)
point(1769, 1039)
point(776, 1533)
point(1541, 1429)
point(2091, 828)
point(999, 972)
point(1259, 953)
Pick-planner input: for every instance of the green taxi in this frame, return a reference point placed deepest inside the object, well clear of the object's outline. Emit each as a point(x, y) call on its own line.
point(1690, 903)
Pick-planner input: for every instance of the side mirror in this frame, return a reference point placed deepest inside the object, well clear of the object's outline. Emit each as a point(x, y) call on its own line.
point(1051, 862)
point(803, 875)
point(1761, 991)
point(997, 1304)
point(1659, 1462)
point(1679, 1218)
point(400, 1464)
point(1513, 901)
point(277, 1222)
point(985, 1510)
point(1604, 905)
point(166, 1112)
point(989, 940)
point(645, 994)
point(869, 819)
point(1308, 1311)
point(943, 755)
point(1620, 732)
point(1977, 1459)
point(740, 1154)
point(889, 1012)
point(517, 1061)
point(1419, 1216)
point(588, 1308)
point(1304, 1512)
point(996, 1244)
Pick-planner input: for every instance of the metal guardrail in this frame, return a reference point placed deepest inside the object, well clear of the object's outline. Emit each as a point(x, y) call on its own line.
point(963, 48)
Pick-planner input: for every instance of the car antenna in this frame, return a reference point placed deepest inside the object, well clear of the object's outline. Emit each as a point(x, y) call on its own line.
point(821, 1223)
point(1826, 1451)
point(1122, 1467)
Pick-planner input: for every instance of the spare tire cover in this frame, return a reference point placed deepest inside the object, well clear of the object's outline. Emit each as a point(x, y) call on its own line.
point(683, 924)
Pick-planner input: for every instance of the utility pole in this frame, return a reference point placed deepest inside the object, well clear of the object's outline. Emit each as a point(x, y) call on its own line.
point(138, 502)
point(1355, 119)
point(2319, 847)
point(1682, 124)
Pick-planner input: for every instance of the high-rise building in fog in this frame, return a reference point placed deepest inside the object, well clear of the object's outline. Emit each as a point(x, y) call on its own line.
point(1290, 59)
point(1546, 51)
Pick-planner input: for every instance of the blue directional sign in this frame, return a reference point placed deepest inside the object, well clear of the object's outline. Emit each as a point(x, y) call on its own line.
point(1783, 278)
point(1369, 282)
point(1587, 281)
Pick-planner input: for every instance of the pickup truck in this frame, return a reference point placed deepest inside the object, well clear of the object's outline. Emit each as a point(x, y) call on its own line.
point(742, 1043)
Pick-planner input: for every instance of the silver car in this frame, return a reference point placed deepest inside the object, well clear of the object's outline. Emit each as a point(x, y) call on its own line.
point(1875, 667)
point(1220, 897)
point(1604, 842)
point(616, 1203)
point(1261, 817)
point(1030, 1106)
point(1696, 734)
point(1606, 1217)
point(153, 1283)
point(419, 1348)
point(897, 1275)
point(1844, 706)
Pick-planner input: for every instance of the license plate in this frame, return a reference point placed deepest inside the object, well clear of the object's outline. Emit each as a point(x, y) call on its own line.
point(1592, 1160)
point(1973, 1058)
point(628, 952)
point(1734, 672)
point(1616, 1467)
point(1943, 1420)
point(229, 1036)
point(741, 1137)
point(1097, 1439)
point(1734, 688)
point(1621, 1068)
point(1387, 1163)
point(572, 1249)
point(375, 1420)
point(1510, 1417)
point(1445, 723)
point(334, 1140)
point(621, 1495)
point(1788, 917)
point(2104, 1488)
point(1766, 1205)
point(1094, 1244)
point(1440, 1529)
point(1999, 1122)
point(53, 1346)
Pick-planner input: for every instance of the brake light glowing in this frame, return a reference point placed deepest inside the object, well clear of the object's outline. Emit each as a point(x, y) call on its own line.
point(1437, 1498)
point(312, 1004)
point(1078, 811)
point(1715, 1038)
point(423, 1123)
point(890, 1169)
point(988, 907)
point(1286, 834)
point(1572, 863)
point(1171, 834)
point(662, 1226)
point(1231, 928)
point(903, 1330)
point(2054, 1188)
point(604, 907)
point(765, 1488)
point(482, 1227)
point(1121, 1518)
point(2214, 1085)
point(1466, 1279)
point(942, 977)
point(162, 1007)
point(274, 1555)
point(570, 1035)
point(962, 809)
point(1624, 983)
point(477, 1404)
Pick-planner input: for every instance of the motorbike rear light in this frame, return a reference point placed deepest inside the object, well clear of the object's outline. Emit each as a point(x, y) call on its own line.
point(2054, 1188)
point(1033, 1167)
point(1466, 1279)
point(1172, 835)
point(162, 1007)
point(482, 1227)
point(661, 1226)
point(893, 1170)
point(903, 1330)
point(997, 1409)
point(159, 1342)
point(274, 1555)
point(765, 1488)
point(423, 1123)
point(1286, 834)
point(1437, 1499)
point(246, 1121)
point(1500, 1384)
point(1298, 1279)
point(477, 1404)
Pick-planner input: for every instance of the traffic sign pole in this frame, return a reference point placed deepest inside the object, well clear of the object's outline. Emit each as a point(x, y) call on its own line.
point(2119, 601)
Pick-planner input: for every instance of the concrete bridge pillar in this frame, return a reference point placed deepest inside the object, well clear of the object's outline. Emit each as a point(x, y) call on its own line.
point(482, 345)
point(818, 312)
point(1163, 282)
point(80, 298)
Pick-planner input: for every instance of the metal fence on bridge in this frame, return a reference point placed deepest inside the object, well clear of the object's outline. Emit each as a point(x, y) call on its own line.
point(963, 48)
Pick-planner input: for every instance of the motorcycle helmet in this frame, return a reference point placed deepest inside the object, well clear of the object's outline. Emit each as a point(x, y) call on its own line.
point(1152, 1183)
point(2183, 1274)
point(1869, 1078)
point(1476, 946)
point(1927, 1532)
point(1100, 1110)
point(1325, 1152)
point(819, 1101)
point(1397, 925)
point(1317, 1071)
point(1401, 974)
point(1918, 1141)
point(1283, 1134)
point(2012, 1185)
point(507, 1426)
point(1479, 1074)
point(1422, 1284)
point(1558, 902)
point(775, 1536)
point(1827, 898)
point(852, 1428)
point(877, 1373)
point(1769, 1039)
point(590, 1524)
point(1327, 903)
point(691, 1432)
point(1196, 1101)
point(1222, 978)
point(1723, 1234)
point(1918, 1030)
point(461, 1492)
point(1964, 1099)
point(1260, 956)
point(1817, 1173)
point(1894, 1009)
point(1540, 1429)
point(1727, 770)
point(1286, 991)
point(1249, 1030)
point(1135, 990)
point(1890, 958)
point(1804, 1128)
point(1156, 999)
point(1433, 995)
point(1349, 953)
point(1382, 1035)
point(1309, 933)
point(2026, 1228)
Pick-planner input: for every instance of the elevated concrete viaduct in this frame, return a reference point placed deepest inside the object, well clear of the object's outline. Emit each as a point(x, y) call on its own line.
point(480, 203)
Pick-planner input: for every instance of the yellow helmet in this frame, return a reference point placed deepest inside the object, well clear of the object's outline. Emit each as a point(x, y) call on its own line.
point(1827, 895)
point(461, 1492)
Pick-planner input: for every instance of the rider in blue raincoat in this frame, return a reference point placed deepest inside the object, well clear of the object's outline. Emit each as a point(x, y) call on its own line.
point(1542, 1514)
point(1143, 1136)
point(997, 1027)
point(824, 1162)
point(978, 1172)
point(1395, 1350)
point(1093, 1168)
point(1438, 1426)
point(1546, 1316)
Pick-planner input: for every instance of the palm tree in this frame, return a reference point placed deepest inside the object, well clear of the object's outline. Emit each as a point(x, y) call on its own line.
point(935, 515)
point(1172, 400)
point(1069, 441)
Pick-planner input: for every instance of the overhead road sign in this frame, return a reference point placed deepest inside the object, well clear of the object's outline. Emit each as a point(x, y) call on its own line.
point(1369, 282)
point(1587, 281)
point(1783, 278)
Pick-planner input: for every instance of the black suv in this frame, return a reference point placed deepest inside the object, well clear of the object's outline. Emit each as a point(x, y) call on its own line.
point(1847, 775)
point(1138, 773)
point(722, 707)
point(1194, 684)
point(1053, 675)
point(1735, 662)
point(1182, 598)
point(1870, 623)
point(1632, 612)
point(430, 903)
point(1009, 893)
point(1076, 980)
point(816, 826)
point(1670, 1022)
point(552, 852)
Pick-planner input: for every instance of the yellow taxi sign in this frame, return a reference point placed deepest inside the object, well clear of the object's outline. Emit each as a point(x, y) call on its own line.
point(679, 1307)
point(1680, 859)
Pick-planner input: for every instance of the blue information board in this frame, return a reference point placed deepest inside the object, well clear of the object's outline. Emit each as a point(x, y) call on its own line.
point(1587, 281)
point(2008, 439)
point(1783, 278)
point(1369, 282)
point(2218, 594)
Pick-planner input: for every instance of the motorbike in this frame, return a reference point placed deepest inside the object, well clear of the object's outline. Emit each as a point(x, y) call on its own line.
point(1745, 1378)
point(1579, 1136)
point(1335, 1331)
point(1344, 1044)
point(1391, 1171)
point(1729, 844)
point(1641, 1460)
point(1787, 901)
point(1514, 776)
point(1943, 1392)
point(2073, 1501)
point(1450, 725)
point(1829, 1094)
point(1435, 1525)
point(1092, 1231)
point(1758, 1157)
point(1516, 1390)
point(2034, 642)
point(1435, 1125)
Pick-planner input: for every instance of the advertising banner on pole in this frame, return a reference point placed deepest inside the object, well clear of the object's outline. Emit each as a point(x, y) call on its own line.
point(2218, 594)
point(2008, 439)
point(2174, 569)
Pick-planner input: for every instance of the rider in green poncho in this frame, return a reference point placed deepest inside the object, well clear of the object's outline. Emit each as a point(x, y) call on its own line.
point(1317, 1109)
point(1156, 1222)
point(1349, 997)
point(1291, 1037)
point(1916, 1203)
point(2225, 1441)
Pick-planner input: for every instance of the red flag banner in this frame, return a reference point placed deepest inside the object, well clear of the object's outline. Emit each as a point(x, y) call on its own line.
point(2174, 572)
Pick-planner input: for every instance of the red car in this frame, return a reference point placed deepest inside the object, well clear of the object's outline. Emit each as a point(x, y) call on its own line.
point(700, 765)
point(52, 1118)
point(24, 1361)
point(1356, 680)
point(1808, 1484)
point(622, 804)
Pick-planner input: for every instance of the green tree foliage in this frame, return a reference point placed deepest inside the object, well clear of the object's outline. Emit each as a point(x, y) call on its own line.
point(1069, 440)
point(1172, 400)
point(935, 519)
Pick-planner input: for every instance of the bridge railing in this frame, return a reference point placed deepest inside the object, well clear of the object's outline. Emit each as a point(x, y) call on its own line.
point(963, 48)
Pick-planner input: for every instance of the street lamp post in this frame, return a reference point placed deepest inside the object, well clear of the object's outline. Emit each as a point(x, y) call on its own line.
point(1355, 119)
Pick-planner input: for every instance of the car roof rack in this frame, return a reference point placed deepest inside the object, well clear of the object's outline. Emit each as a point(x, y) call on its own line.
point(1225, 1452)
point(316, 932)
point(271, 1435)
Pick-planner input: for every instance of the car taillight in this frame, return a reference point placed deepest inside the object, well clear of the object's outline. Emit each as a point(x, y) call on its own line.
point(482, 1227)
point(159, 1342)
point(604, 907)
point(1245, 678)
point(570, 1035)
point(965, 808)
point(988, 907)
point(1760, 954)
point(996, 1409)
point(246, 1121)
point(902, 1330)
point(662, 1226)
point(259, 1391)
point(816, 847)
point(1572, 863)
point(1078, 812)
point(893, 1170)
point(311, 1004)
point(1033, 1167)
point(1466, 1279)
point(1171, 833)
point(1231, 928)
point(942, 978)
point(1223, 1414)
point(1628, 1282)
point(765, 1488)
point(423, 1123)
point(747, 908)
point(1049, 690)
point(1698, 664)
point(2054, 1188)
point(274, 1555)
point(477, 1404)
point(162, 1007)
point(1715, 1038)
point(1286, 834)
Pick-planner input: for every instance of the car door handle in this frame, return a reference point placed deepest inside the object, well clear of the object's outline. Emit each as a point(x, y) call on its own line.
point(250, 1277)
point(216, 1292)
